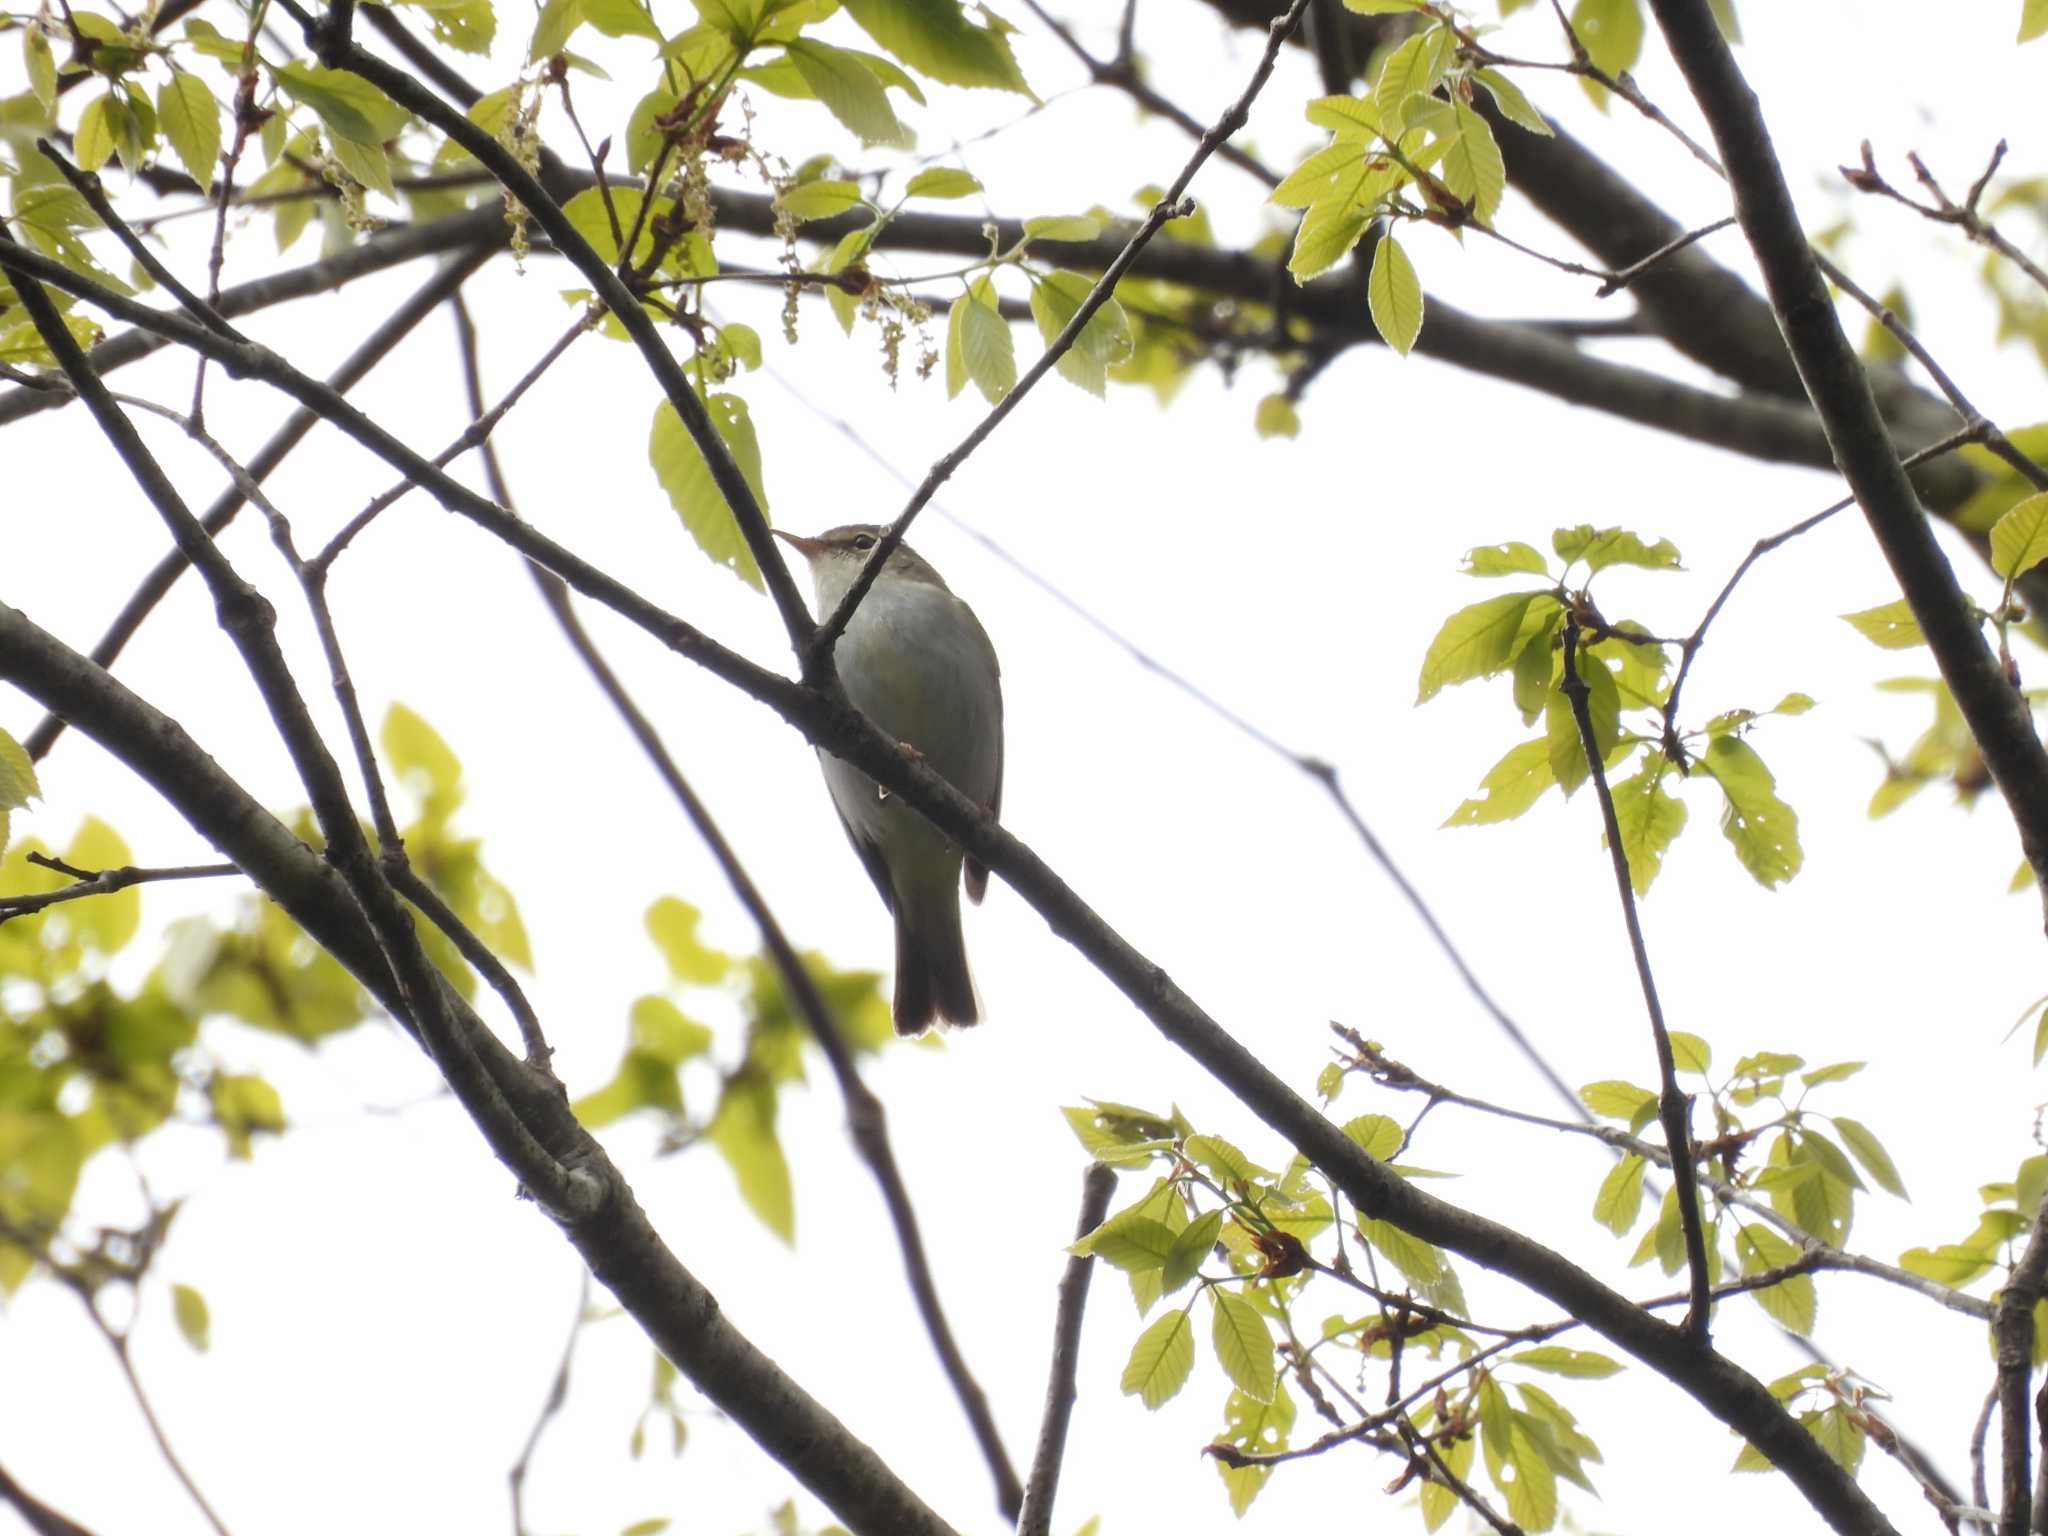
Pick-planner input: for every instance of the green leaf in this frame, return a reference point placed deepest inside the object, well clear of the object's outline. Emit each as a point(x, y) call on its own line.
point(1763, 829)
point(17, 775)
point(189, 1308)
point(1394, 295)
point(1056, 297)
point(1689, 1052)
point(349, 106)
point(1420, 1263)
point(935, 38)
point(1952, 1264)
point(1275, 416)
point(1191, 1246)
point(1132, 1242)
point(1325, 237)
point(743, 1130)
point(685, 475)
point(1161, 1359)
point(1870, 1152)
point(662, 1033)
point(1791, 1303)
point(108, 922)
point(244, 1105)
point(2019, 540)
point(421, 761)
point(1472, 166)
point(1315, 180)
point(1650, 820)
point(93, 139)
point(1620, 1200)
point(1378, 1135)
point(942, 181)
point(1613, 1099)
point(988, 353)
point(819, 199)
point(466, 25)
point(1567, 744)
point(1890, 625)
point(1253, 1426)
point(1413, 69)
point(1514, 106)
point(672, 924)
point(1612, 31)
point(1070, 227)
point(1243, 1346)
point(2033, 20)
point(850, 91)
point(1511, 786)
point(41, 65)
point(1602, 547)
point(1476, 641)
point(1504, 560)
point(1560, 1361)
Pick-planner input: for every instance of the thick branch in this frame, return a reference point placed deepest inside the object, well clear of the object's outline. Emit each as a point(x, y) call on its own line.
point(1996, 713)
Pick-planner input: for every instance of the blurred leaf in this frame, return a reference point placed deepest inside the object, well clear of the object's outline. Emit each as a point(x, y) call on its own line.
point(936, 38)
point(685, 475)
point(2019, 540)
point(1890, 625)
point(743, 1129)
point(672, 924)
point(189, 1308)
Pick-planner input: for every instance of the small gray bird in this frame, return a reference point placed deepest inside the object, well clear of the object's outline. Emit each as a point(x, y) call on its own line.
point(917, 662)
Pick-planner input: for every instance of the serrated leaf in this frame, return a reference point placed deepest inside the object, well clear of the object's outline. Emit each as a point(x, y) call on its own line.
point(1056, 297)
point(1221, 1158)
point(1243, 1346)
point(1504, 560)
point(1191, 1246)
point(17, 775)
point(1511, 786)
point(1252, 1426)
point(987, 350)
point(350, 106)
point(849, 90)
point(1317, 178)
point(1620, 1200)
point(1325, 237)
point(1890, 625)
point(1514, 106)
point(936, 38)
point(942, 181)
point(1378, 1136)
point(191, 121)
point(1420, 1263)
point(1791, 1303)
point(189, 1308)
point(1413, 69)
point(1161, 1359)
point(1476, 641)
point(2019, 540)
point(1763, 829)
point(1615, 1100)
point(685, 475)
point(819, 199)
point(1650, 820)
point(1560, 1361)
point(1870, 1152)
point(1394, 295)
point(1472, 166)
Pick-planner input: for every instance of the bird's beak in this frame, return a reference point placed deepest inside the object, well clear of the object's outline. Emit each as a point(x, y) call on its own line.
point(810, 549)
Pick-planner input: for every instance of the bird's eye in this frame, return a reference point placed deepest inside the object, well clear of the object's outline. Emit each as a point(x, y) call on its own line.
point(863, 541)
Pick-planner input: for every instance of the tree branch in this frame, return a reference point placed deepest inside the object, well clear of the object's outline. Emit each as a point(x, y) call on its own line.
point(1036, 1519)
point(1996, 713)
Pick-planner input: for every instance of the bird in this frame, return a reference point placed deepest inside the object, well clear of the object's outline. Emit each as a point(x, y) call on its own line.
point(915, 661)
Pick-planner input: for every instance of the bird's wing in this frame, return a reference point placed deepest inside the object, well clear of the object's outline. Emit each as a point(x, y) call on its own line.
point(976, 871)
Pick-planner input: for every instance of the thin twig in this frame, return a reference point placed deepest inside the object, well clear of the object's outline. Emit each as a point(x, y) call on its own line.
point(551, 1405)
point(1943, 210)
point(1171, 204)
point(1616, 281)
point(1035, 1518)
point(101, 882)
point(1673, 1107)
point(36, 1515)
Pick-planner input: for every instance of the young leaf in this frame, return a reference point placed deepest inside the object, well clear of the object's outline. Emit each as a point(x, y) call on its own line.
point(1560, 1361)
point(1394, 295)
point(2019, 540)
point(685, 475)
point(1257, 1426)
point(936, 38)
point(1870, 1152)
point(986, 347)
point(1476, 641)
point(1890, 625)
point(191, 121)
point(847, 86)
point(1504, 560)
point(1191, 1245)
point(1791, 1303)
point(1511, 786)
point(1650, 820)
point(1620, 1199)
point(1690, 1053)
point(1472, 167)
point(818, 199)
point(1243, 1346)
point(1275, 416)
point(743, 1130)
point(17, 775)
point(1612, 32)
point(1133, 1243)
point(942, 181)
point(1763, 829)
point(1104, 341)
point(189, 1308)
point(1325, 237)
point(1161, 1359)
point(1514, 106)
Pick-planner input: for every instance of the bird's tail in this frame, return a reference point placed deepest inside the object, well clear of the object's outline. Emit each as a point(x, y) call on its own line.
point(932, 979)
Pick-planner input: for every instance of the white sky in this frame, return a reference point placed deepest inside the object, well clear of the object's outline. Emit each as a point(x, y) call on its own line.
point(386, 1316)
